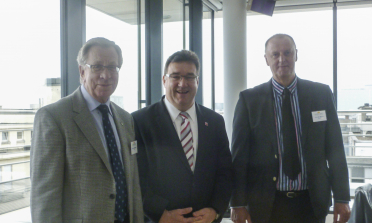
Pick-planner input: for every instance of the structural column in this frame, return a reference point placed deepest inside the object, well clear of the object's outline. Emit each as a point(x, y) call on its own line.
point(72, 39)
point(154, 49)
point(235, 56)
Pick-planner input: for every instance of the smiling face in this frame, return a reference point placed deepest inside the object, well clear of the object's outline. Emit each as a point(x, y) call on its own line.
point(100, 85)
point(181, 93)
point(281, 56)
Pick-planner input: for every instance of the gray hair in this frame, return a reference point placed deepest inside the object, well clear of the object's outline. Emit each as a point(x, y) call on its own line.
point(98, 41)
point(280, 35)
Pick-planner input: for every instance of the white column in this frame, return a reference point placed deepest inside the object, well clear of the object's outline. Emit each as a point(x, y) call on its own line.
point(235, 56)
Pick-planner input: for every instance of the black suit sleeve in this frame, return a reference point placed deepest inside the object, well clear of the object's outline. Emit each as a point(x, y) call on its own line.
point(335, 153)
point(240, 152)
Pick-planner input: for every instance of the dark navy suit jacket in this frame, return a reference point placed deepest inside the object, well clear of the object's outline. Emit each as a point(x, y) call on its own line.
point(255, 150)
point(167, 181)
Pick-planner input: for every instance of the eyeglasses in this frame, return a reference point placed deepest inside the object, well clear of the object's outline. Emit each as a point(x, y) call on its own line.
point(177, 77)
point(99, 68)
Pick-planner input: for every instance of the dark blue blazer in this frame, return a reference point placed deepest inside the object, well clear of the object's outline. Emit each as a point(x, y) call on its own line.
point(255, 150)
point(167, 181)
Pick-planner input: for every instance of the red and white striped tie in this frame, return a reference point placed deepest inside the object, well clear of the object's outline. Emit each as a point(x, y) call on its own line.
point(186, 139)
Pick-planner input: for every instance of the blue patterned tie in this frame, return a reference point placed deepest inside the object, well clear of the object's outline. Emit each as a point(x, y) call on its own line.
point(116, 166)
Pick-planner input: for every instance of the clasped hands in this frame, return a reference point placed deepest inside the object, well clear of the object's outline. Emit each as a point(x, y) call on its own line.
point(205, 215)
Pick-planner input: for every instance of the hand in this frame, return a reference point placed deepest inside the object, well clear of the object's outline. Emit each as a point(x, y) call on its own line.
point(176, 216)
point(240, 215)
point(205, 215)
point(342, 210)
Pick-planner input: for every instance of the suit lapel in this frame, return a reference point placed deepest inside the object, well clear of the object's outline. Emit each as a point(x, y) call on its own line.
point(165, 125)
point(85, 122)
point(268, 113)
point(304, 100)
point(202, 137)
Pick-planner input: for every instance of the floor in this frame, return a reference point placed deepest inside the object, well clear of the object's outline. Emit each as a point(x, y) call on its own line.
point(24, 216)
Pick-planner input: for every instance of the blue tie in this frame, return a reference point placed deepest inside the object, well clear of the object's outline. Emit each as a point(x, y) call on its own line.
point(116, 166)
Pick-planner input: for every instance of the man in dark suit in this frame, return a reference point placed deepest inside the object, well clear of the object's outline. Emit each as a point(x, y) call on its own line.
point(287, 147)
point(183, 151)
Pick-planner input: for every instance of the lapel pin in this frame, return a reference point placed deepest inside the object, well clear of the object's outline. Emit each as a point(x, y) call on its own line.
point(122, 123)
point(206, 123)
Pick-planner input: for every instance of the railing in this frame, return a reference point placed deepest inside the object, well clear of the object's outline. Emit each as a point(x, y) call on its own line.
point(356, 129)
point(14, 193)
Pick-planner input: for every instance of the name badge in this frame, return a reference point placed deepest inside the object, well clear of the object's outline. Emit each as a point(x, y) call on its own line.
point(133, 147)
point(319, 116)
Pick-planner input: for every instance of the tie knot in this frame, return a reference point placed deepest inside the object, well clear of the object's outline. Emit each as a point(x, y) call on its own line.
point(286, 92)
point(183, 115)
point(103, 109)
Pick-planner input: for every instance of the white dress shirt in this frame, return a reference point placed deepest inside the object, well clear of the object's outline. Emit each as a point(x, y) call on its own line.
point(176, 119)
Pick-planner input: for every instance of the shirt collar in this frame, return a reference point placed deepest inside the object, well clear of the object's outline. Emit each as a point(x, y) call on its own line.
point(279, 88)
point(174, 112)
point(93, 103)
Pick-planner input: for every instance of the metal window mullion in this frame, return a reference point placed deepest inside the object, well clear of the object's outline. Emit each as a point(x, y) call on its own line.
point(213, 62)
point(139, 59)
point(335, 51)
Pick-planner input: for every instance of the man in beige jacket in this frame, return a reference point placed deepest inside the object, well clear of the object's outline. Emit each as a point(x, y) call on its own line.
point(83, 168)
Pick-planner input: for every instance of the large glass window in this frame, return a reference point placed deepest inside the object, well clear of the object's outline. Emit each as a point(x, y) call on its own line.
point(354, 80)
point(219, 68)
point(354, 86)
point(30, 78)
point(173, 28)
point(312, 32)
point(207, 58)
point(117, 21)
point(30, 53)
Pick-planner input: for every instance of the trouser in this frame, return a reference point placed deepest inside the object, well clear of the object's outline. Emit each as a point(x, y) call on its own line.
point(293, 208)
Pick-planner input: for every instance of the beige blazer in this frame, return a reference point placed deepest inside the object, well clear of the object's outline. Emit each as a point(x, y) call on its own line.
point(70, 172)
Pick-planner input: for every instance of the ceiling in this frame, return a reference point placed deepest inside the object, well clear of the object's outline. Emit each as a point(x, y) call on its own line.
point(126, 10)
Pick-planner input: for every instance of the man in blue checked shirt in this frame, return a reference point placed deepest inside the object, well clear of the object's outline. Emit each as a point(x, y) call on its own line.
point(287, 147)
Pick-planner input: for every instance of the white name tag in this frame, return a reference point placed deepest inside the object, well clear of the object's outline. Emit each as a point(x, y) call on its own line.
point(133, 147)
point(319, 116)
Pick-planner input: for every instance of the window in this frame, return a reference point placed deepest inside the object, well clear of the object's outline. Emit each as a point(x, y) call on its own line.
point(5, 137)
point(39, 19)
point(354, 46)
point(173, 30)
point(207, 58)
point(19, 135)
point(219, 68)
point(30, 78)
point(312, 32)
point(122, 29)
point(357, 172)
